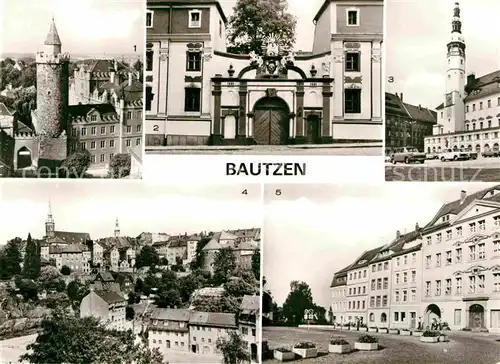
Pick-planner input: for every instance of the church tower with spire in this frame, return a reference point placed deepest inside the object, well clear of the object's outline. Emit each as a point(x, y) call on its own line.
point(49, 224)
point(117, 228)
point(454, 107)
point(52, 70)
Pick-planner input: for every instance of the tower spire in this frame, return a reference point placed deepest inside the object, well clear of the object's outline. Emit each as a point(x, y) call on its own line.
point(456, 23)
point(117, 228)
point(49, 223)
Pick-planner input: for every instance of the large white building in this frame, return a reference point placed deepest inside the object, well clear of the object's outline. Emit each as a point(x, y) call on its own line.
point(447, 272)
point(199, 94)
point(470, 115)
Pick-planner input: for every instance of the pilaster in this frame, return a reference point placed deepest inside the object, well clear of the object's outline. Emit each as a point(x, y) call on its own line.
point(217, 94)
point(242, 120)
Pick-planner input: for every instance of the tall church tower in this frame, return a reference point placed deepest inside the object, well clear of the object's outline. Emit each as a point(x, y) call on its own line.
point(49, 224)
point(454, 108)
point(52, 77)
point(117, 229)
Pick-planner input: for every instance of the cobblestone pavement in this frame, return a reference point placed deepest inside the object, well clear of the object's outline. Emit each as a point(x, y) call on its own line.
point(276, 150)
point(482, 169)
point(395, 349)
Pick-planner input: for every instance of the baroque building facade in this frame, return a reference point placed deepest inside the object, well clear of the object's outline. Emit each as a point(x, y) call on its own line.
point(199, 94)
point(470, 116)
point(447, 271)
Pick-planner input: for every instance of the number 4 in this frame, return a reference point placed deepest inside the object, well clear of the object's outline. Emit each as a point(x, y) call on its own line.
point(245, 192)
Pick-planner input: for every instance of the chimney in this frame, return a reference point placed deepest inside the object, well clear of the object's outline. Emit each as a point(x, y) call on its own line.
point(397, 95)
point(130, 78)
point(417, 227)
point(398, 234)
point(401, 96)
point(463, 195)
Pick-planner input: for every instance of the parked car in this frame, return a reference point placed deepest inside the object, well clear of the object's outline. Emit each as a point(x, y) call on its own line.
point(471, 153)
point(490, 153)
point(407, 155)
point(430, 156)
point(453, 155)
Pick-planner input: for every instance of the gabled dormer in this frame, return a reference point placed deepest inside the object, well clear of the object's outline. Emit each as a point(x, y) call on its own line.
point(93, 115)
point(475, 209)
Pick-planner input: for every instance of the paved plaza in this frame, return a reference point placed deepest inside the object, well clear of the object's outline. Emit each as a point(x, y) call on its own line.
point(480, 170)
point(364, 149)
point(463, 348)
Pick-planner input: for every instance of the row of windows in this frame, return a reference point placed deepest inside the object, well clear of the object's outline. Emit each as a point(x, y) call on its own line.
point(378, 301)
point(112, 144)
point(486, 136)
point(404, 296)
point(476, 252)
point(93, 130)
point(167, 343)
point(473, 228)
point(356, 305)
point(398, 317)
point(353, 290)
point(481, 126)
point(194, 19)
point(481, 105)
point(476, 285)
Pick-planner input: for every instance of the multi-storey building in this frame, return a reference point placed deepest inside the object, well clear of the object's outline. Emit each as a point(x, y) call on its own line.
point(75, 256)
point(461, 272)
point(339, 302)
point(274, 96)
point(206, 328)
point(249, 325)
point(406, 125)
point(470, 116)
point(379, 287)
point(107, 306)
point(358, 279)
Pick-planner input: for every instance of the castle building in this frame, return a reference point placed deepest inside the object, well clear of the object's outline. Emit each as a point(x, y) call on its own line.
point(107, 122)
point(446, 272)
point(199, 94)
point(470, 115)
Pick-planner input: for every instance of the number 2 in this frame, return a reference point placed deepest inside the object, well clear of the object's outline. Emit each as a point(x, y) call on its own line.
point(156, 128)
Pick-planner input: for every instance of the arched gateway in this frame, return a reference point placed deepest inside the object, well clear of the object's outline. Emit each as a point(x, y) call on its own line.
point(24, 158)
point(271, 121)
point(476, 317)
point(432, 315)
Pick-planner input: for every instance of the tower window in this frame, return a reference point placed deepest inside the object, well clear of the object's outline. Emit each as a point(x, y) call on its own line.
point(352, 101)
point(352, 62)
point(353, 17)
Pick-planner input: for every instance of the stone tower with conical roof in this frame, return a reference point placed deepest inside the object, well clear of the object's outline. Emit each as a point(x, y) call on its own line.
point(50, 118)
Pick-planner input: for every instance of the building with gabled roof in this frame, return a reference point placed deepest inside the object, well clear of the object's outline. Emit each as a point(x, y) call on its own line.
point(108, 306)
point(249, 325)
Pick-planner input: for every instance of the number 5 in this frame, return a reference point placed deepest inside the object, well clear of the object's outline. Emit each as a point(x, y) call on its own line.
point(278, 192)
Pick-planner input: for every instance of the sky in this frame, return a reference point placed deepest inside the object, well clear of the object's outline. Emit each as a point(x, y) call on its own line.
point(304, 11)
point(312, 231)
point(417, 32)
point(84, 26)
point(81, 206)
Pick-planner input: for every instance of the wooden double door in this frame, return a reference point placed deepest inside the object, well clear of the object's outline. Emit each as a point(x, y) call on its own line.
point(271, 122)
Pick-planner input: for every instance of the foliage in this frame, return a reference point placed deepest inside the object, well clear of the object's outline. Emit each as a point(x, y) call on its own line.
point(139, 285)
point(66, 339)
point(31, 266)
point(119, 166)
point(267, 302)
point(49, 273)
point(367, 339)
point(27, 288)
point(10, 259)
point(283, 350)
point(256, 263)
point(129, 313)
point(165, 287)
point(234, 350)
point(254, 20)
point(147, 257)
point(225, 303)
point(339, 341)
point(72, 290)
point(65, 270)
point(298, 300)
point(76, 165)
point(197, 262)
point(238, 287)
point(190, 283)
point(224, 265)
point(430, 333)
point(304, 345)
point(164, 261)
point(56, 300)
point(133, 298)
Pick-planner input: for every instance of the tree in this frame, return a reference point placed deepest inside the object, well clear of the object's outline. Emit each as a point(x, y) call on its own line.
point(147, 257)
point(256, 263)
point(164, 261)
point(238, 287)
point(297, 301)
point(49, 273)
point(234, 350)
point(67, 339)
point(27, 288)
point(191, 283)
point(133, 298)
point(224, 265)
point(139, 285)
point(225, 303)
point(11, 259)
point(31, 266)
point(76, 165)
point(72, 290)
point(254, 20)
point(120, 165)
point(65, 270)
point(129, 313)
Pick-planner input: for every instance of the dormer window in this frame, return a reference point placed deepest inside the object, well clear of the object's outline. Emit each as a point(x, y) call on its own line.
point(352, 17)
point(195, 19)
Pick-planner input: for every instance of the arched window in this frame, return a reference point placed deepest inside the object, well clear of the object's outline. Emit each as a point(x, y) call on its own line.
point(383, 317)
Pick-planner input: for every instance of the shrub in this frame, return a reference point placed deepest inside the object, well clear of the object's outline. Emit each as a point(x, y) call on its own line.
point(405, 330)
point(119, 166)
point(430, 333)
point(75, 165)
point(65, 270)
point(367, 339)
point(283, 350)
point(339, 341)
point(466, 329)
point(305, 345)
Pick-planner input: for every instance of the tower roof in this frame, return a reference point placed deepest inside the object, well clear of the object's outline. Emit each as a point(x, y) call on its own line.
point(53, 36)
